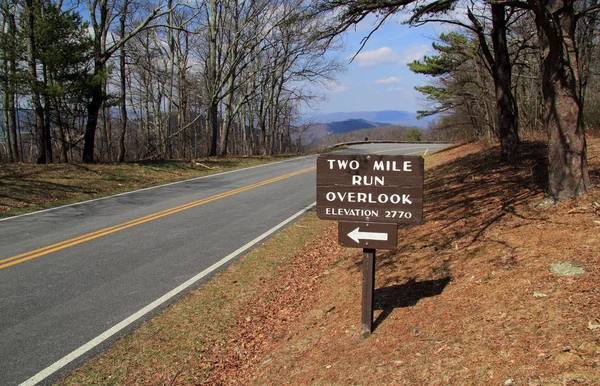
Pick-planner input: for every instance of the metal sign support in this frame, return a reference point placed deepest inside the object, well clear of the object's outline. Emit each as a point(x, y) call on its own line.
point(368, 291)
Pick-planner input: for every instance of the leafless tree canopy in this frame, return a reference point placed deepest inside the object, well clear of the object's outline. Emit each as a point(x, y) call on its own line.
point(146, 80)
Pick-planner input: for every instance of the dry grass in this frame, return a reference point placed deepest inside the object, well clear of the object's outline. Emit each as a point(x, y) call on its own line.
point(26, 188)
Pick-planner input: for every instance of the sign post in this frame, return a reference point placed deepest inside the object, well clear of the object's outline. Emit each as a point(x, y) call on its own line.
point(369, 195)
point(368, 292)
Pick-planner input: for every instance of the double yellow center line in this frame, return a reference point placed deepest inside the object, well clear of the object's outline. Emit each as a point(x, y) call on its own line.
point(17, 259)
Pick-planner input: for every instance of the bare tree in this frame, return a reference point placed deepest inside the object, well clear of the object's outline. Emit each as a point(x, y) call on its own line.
point(102, 13)
point(41, 129)
point(9, 51)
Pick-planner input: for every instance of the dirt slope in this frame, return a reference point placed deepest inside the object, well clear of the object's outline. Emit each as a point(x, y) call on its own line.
point(468, 297)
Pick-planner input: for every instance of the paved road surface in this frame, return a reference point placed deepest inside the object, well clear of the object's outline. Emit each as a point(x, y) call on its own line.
point(74, 278)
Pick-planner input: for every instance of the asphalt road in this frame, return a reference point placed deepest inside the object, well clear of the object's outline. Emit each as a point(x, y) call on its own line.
point(75, 278)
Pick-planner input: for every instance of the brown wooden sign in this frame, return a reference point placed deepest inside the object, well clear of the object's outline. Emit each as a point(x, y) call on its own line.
point(368, 235)
point(370, 188)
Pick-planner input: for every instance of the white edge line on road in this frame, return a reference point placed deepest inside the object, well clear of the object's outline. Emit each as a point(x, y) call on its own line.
point(45, 373)
point(149, 188)
point(417, 152)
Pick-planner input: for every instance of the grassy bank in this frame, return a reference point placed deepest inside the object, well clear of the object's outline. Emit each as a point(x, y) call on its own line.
point(26, 188)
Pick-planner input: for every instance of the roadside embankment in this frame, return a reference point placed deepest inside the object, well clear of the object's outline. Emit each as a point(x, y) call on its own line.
point(476, 294)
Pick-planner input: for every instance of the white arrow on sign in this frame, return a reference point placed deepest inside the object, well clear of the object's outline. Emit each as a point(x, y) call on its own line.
point(357, 235)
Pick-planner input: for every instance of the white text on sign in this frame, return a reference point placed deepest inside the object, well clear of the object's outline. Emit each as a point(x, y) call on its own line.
point(370, 188)
point(390, 166)
point(368, 198)
point(370, 180)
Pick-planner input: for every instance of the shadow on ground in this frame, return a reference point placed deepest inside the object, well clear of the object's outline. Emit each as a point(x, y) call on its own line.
point(466, 196)
point(387, 299)
point(463, 198)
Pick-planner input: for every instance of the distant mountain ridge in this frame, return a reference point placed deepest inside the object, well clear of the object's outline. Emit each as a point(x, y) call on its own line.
point(320, 130)
point(349, 125)
point(324, 125)
point(321, 135)
point(394, 117)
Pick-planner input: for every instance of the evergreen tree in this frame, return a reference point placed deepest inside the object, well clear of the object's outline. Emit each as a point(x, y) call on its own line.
point(64, 49)
point(452, 54)
point(58, 54)
point(414, 135)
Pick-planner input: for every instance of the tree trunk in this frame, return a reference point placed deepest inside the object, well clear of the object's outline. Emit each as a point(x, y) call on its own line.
point(568, 175)
point(506, 120)
point(213, 110)
point(64, 149)
point(227, 117)
point(262, 127)
point(243, 132)
point(251, 130)
point(93, 111)
point(506, 106)
point(6, 112)
point(123, 72)
point(213, 126)
point(7, 131)
point(10, 71)
point(12, 118)
point(183, 114)
point(568, 169)
point(32, 66)
point(124, 118)
point(47, 111)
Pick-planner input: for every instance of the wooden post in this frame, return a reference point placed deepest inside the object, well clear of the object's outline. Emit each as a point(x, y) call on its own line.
point(368, 290)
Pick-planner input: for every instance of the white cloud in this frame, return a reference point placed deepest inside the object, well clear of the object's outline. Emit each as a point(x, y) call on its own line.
point(461, 13)
point(403, 16)
point(340, 88)
point(415, 53)
point(383, 55)
point(386, 55)
point(390, 80)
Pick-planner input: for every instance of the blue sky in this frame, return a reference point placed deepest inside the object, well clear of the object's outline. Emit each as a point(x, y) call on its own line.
point(379, 78)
